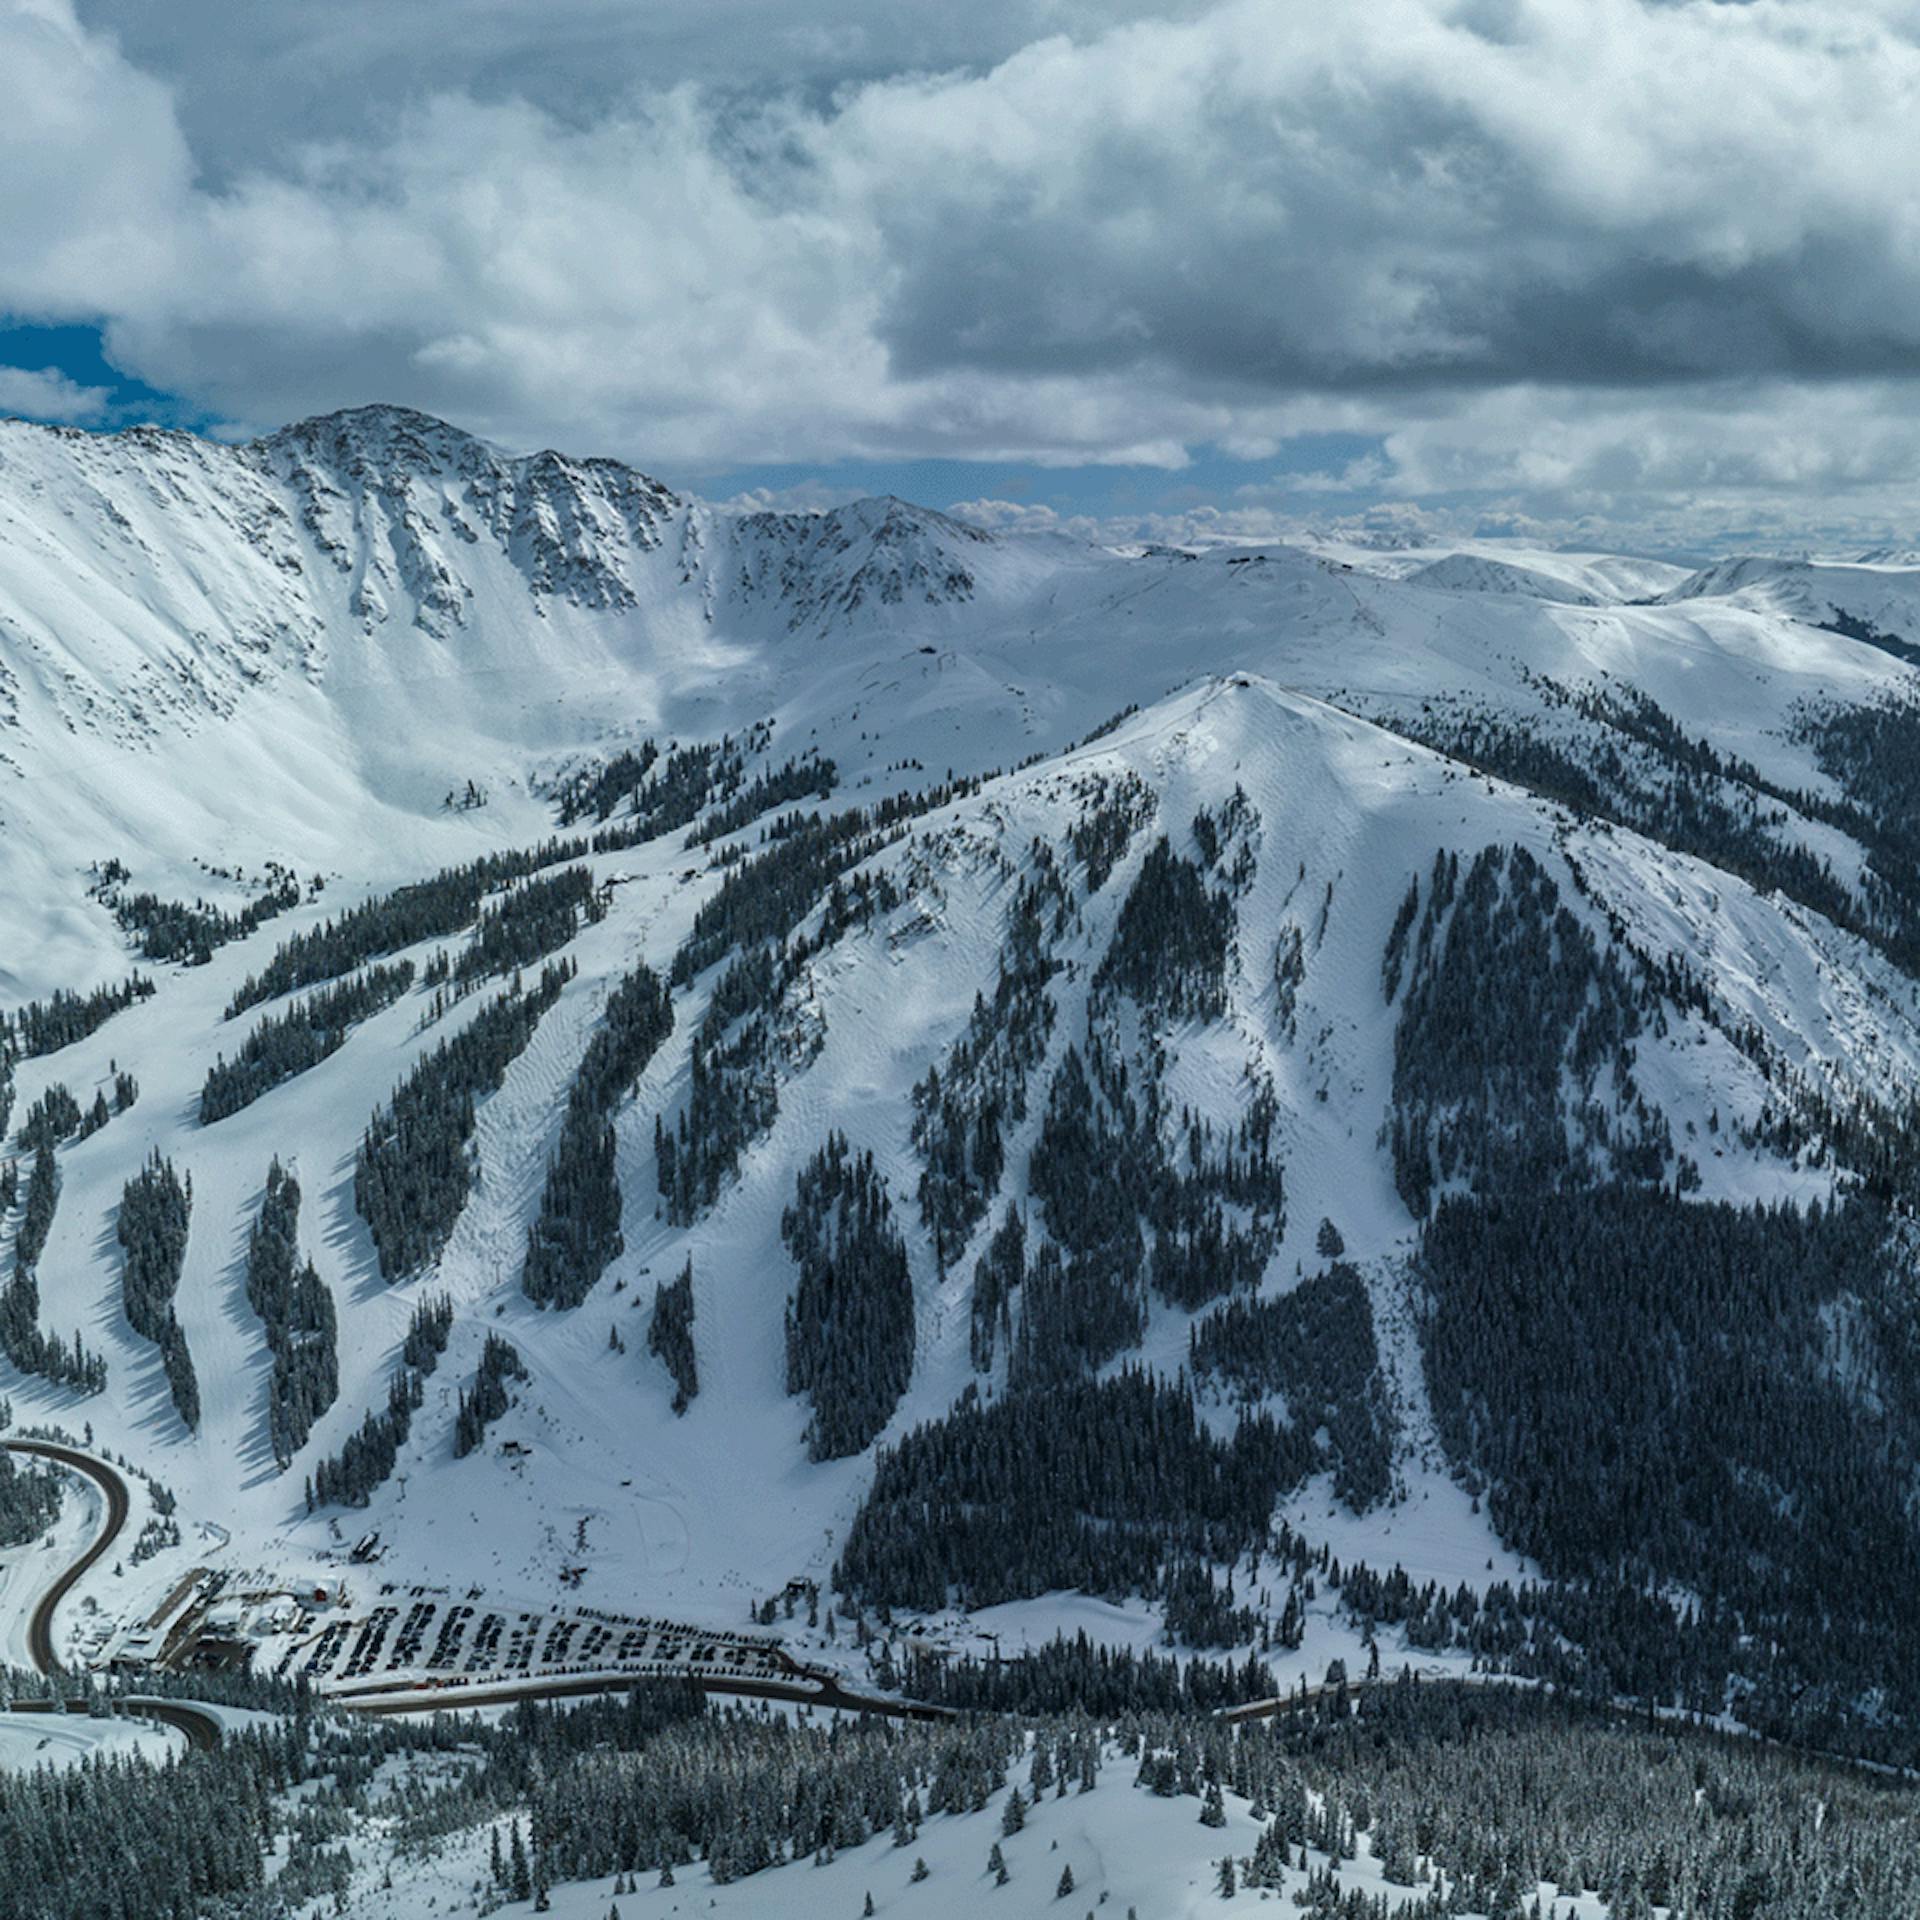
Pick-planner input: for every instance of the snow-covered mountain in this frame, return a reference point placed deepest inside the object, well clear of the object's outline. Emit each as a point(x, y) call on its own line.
point(1248, 926)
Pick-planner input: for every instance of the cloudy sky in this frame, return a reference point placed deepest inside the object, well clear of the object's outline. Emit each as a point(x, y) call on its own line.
point(1640, 271)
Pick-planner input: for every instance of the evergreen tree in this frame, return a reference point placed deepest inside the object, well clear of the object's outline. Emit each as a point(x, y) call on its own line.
point(577, 1232)
point(670, 1334)
point(414, 1169)
point(290, 1297)
point(287, 1044)
point(152, 1231)
point(850, 1320)
point(499, 1363)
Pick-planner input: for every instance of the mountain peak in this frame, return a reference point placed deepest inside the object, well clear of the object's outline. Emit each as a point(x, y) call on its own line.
point(382, 435)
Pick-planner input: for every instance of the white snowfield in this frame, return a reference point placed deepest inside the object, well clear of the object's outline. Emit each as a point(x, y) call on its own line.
point(62, 1740)
point(215, 657)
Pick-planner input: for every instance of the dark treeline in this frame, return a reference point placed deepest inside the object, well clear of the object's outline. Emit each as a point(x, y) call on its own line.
point(414, 1169)
point(125, 1839)
point(152, 1230)
point(764, 898)
point(659, 803)
point(291, 1298)
point(1642, 771)
point(1506, 1790)
point(1744, 1375)
point(737, 1792)
point(173, 930)
point(850, 1317)
point(307, 1032)
point(1715, 1442)
point(425, 910)
point(806, 865)
point(42, 1198)
point(1133, 1196)
point(732, 1087)
point(57, 1116)
point(1078, 1311)
point(733, 1090)
point(1468, 1799)
point(807, 778)
point(29, 1500)
point(1315, 1346)
point(960, 1114)
point(1112, 811)
point(1229, 829)
point(452, 899)
point(530, 921)
point(670, 1334)
point(599, 788)
point(1090, 1485)
point(45, 1026)
point(1870, 751)
point(369, 1453)
point(577, 1232)
point(54, 1117)
point(1172, 940)
point(998, 1275)
point(259, 1826)
point(1513, 1015)
point(487, 1399)
point(1105, 1175)
point(1083, 1676)
point(21, 1339)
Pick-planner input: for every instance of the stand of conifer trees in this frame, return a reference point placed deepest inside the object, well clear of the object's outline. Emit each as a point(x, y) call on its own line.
point(286, 1044)
point(152, 1231)
point(290, 1297)
point(45, 1026)
point(414, 1170)
point(577, 1232)
point(850, 1320)
point(349, 1478)
point(29, 1501)
point(21, 1339)
point(670, 1334)
point(487, 1400)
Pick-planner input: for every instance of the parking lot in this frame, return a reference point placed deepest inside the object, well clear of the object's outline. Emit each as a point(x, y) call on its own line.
point(423, 1638)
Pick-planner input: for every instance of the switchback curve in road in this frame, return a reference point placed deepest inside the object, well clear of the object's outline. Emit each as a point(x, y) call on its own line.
point(200, 1727)
point(110, 1483)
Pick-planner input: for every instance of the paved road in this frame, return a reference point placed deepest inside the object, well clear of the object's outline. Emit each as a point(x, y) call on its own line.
point(40, 1627)
point(200, 1727)
point(826, 1693)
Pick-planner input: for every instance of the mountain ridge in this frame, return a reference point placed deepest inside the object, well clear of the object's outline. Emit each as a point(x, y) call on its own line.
point(1135, 979)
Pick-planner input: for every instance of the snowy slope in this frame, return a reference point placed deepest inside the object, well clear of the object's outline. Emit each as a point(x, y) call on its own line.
point(1884, 594)
point(215, 657)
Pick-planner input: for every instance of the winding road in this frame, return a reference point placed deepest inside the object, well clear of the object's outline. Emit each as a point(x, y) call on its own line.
point(821, 1691)
point(201, 1728)
point(40, 1627)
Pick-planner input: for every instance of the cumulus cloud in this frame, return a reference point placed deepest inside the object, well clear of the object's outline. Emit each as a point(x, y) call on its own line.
point(44, 393)
point(1568, 251)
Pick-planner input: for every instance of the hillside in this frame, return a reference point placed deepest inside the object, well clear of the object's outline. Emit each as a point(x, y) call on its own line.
point(1259, 1108)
